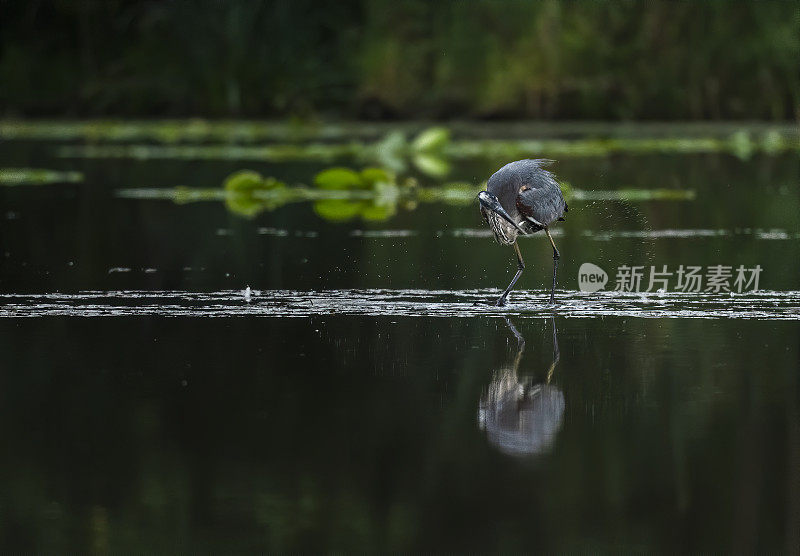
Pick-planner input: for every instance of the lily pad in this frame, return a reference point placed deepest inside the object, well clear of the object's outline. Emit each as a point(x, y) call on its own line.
point(431, 140)
point(373, 176)
point(339, 178)
point(335, 210)
point(378, 213)
point(243, 180)
point(242, 188)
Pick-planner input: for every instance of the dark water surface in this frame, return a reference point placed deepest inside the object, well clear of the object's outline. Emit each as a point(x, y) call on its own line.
point(361, 400)
point(363, 432)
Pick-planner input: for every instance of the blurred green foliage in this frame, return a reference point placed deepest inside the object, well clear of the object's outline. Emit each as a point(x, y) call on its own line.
point(241, 186)
point(342, 194)
point(379, 204)
point(411, 58)
point(36, 176)
point(432, 149)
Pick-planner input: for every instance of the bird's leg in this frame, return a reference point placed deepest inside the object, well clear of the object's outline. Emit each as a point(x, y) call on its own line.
point(556, 353)
point(520, 267)
point(556, 256)
point(520, 342)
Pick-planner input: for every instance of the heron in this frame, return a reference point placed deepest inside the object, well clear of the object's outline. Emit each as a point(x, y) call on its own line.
point(523, 198)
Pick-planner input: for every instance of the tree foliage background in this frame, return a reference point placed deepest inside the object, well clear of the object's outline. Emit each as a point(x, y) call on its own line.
point(384, 59)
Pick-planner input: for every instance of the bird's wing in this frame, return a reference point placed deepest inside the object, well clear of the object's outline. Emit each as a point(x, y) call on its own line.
point(543, 205)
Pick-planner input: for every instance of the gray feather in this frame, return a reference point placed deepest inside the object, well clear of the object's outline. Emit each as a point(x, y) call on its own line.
point(542, 200)
point(545, 204)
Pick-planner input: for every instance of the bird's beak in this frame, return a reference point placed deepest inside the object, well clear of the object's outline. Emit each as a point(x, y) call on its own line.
point(494, 205)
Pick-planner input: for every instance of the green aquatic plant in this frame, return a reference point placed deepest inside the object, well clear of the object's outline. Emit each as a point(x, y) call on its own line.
point(432, 150)
point(425, 152)
point(341, 194)
point(433, 139)
point(37, 176)
point(243, 193)
point(243, 181)
point(741, 144)
point(347, 179)
point(380, 204)
point(631, 195)
point(193, 130)
point(431, 165)
point(450, 193)
point(253, 132)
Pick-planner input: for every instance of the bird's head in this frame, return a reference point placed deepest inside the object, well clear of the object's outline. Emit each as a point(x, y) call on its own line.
point(489, 201)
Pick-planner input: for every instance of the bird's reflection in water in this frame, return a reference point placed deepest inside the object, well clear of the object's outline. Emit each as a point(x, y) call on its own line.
point(522, 416)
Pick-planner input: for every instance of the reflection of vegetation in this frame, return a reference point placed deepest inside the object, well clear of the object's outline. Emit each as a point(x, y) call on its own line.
point(340, 194)
point(36, 176)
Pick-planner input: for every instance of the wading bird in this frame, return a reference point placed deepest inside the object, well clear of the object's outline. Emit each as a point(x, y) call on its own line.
point(522, 198)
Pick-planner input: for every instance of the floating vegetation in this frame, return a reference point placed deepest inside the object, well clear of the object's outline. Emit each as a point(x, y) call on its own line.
point(758, 233)
point(185, 131)
point(428, 152)
point(242, 189)
point(432, 140)
point(431, 151)
point(634, 195)
point(277, 153)
point(340, 194)
point(377, 194)
point(198, 130)
point(36, 176)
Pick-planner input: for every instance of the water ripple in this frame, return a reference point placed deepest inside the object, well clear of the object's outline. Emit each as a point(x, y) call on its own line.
point(764, 305)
